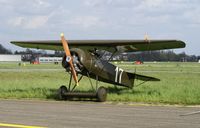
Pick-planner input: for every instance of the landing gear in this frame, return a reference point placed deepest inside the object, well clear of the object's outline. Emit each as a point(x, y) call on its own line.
point(61, 92)
point(100, 94)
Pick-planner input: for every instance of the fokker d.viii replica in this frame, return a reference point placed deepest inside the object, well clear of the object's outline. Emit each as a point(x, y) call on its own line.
point(82, 58)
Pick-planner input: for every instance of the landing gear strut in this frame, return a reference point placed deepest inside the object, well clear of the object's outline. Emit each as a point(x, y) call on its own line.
point(100, 94)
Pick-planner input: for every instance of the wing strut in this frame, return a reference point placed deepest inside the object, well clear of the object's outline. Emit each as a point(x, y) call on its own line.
point(69, 58)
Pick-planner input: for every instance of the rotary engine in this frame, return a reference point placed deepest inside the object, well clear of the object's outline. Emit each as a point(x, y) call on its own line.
point(83, 61)
point(76, 62)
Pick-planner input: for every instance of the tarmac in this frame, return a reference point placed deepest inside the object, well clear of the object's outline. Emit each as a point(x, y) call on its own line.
point(84, 114)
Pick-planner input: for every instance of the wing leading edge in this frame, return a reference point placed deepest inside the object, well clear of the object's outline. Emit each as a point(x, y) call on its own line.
point(109, 45)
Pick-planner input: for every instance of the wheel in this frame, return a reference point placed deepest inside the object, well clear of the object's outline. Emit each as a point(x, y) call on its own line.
point(101, 94)
point(61, 92)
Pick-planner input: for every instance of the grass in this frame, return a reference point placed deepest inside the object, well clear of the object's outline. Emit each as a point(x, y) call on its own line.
point(179, 82)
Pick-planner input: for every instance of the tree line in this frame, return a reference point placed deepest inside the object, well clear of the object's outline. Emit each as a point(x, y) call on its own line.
point(166, 55)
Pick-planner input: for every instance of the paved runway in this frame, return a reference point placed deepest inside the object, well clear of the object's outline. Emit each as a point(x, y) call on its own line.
point(65, 114)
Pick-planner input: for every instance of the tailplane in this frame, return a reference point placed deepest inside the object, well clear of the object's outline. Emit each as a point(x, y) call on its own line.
point(133, 76)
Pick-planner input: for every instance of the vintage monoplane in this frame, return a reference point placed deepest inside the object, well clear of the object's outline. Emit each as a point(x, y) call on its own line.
point(82, 58)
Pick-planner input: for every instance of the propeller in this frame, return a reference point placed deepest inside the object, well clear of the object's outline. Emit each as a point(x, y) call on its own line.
point(69, 58)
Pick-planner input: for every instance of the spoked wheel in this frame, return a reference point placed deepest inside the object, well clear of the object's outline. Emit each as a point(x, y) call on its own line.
point(101, 94)
point(61, 92)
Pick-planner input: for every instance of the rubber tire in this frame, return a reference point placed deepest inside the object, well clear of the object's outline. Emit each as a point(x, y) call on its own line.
point(101, 94)
point(61, 91)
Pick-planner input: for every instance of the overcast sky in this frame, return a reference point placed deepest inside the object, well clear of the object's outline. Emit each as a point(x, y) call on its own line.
point(101, 19)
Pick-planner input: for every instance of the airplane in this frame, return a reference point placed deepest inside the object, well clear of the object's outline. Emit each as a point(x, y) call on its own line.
point(82, 58)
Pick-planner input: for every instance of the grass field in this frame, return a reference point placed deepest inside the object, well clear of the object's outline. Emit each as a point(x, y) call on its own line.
point(180, 82)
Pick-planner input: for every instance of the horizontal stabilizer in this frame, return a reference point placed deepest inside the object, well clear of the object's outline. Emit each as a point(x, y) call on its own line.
point(146, 78)
point(134, 76)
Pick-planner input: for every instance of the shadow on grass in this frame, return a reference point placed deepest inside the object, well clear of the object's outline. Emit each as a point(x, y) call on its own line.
point(53, 93)
point(121, 90)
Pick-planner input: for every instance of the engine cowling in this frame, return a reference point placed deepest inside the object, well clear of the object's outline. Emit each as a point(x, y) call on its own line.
point(78, 56)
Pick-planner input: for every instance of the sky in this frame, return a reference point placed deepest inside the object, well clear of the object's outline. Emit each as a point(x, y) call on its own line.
point(101, 19)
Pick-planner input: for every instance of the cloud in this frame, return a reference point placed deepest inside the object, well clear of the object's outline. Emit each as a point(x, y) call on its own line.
point(152, 3)
point(192, 17)
point(43, 3)
point(86, 22)
point(29, 22)
point(88, 18)
point(36, 22)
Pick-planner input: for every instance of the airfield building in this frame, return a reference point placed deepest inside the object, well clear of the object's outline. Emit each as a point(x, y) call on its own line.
point(50, 59)
point(10, 58)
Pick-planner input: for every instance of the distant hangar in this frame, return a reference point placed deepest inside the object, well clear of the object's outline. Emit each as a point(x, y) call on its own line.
point(18, 58)
point(10, 58)
point(50, 59)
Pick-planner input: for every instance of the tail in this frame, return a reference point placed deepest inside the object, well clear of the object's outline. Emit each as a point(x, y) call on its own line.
point(133, 76)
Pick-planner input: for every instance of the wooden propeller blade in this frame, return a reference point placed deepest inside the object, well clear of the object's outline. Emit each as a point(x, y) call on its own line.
point(69, 58)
